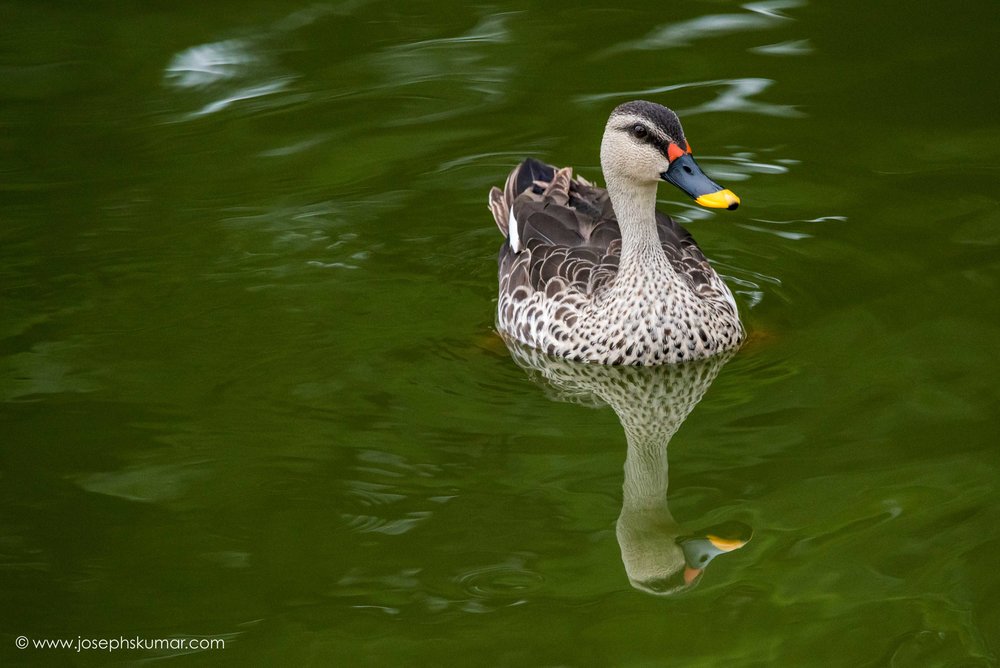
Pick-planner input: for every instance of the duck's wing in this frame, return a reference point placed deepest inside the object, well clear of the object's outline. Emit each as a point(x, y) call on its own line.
point(561, 231)
point(690, 263)
point(683, 253)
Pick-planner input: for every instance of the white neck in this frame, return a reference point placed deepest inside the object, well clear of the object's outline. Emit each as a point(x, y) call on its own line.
point(650, 418)
point(635, 207)
point(646, 473)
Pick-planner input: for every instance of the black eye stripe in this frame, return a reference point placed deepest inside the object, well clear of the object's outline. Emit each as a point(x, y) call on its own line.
point(637, 131)
point(647, 138)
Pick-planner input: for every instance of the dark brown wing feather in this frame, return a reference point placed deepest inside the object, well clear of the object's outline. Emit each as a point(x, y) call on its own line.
point(568, 234)
point(684, 254)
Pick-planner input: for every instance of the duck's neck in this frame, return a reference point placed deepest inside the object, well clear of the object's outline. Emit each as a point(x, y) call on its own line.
point(635, 207)
point(651, 412)
point(646, 477)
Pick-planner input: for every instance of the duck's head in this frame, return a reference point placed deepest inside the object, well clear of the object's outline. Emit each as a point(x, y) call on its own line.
point(660, 561)
point(644, 143)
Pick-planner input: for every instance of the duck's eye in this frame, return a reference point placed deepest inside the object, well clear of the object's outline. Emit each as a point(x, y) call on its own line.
point(639, 131)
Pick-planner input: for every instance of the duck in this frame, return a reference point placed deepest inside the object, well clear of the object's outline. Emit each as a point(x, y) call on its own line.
point(598, 275)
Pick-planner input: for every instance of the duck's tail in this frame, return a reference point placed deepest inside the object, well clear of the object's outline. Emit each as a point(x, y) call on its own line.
point(529, 174)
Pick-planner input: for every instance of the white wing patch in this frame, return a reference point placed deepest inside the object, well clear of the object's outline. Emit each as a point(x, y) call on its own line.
point(512, 234)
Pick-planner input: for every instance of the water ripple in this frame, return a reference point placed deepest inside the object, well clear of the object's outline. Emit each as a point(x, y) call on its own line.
point(508, 580)
point(224, 73)
point(491, 29)
point(459, 72)
point(773, 226)
point(207, 64)
point(760, 16)
point(733, 95)
point(382, 496)
point(796, 47)
point(391, 527)
point(231, 71)
point(372, 494)
point(772, 8)
point(741, 166)
point(278, 242)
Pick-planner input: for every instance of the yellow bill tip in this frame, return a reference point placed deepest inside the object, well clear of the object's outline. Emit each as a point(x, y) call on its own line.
point(726, 544)
point(721, 199)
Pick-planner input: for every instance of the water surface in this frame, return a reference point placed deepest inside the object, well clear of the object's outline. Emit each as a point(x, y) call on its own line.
point(251, 390)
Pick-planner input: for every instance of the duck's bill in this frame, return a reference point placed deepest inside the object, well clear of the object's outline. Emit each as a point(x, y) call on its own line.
point(685, 173)
point(703, 546)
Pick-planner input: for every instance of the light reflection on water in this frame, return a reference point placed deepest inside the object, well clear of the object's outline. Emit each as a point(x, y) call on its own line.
point(758, 16)
point(733, 95)
point(660, 556)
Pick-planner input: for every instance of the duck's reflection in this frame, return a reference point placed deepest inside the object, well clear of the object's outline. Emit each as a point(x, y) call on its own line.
point(660, 556)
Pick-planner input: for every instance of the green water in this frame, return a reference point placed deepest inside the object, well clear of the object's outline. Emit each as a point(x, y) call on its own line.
point(250, 390)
